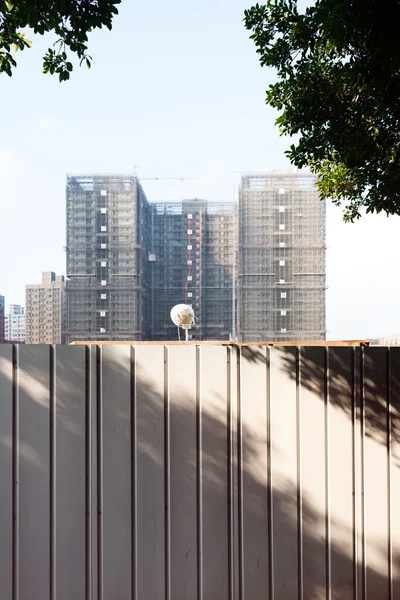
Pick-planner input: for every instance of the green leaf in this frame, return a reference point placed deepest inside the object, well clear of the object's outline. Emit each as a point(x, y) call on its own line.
point(337, 70)
point(70, 25)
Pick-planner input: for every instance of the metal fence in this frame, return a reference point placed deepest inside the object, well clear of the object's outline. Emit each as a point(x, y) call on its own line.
point(171, 473)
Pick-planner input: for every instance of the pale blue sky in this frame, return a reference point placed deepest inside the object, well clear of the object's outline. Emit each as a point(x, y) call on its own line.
point(177, 89)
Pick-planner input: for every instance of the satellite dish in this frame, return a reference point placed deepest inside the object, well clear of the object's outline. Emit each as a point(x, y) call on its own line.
point(182, 316)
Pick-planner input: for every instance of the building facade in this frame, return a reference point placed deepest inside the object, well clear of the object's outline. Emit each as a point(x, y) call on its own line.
point(2, 319)
point(253, 271)
point(15, 324)
point(192, 260)
point(107, 286)
point(45, 310)
point(281, 271)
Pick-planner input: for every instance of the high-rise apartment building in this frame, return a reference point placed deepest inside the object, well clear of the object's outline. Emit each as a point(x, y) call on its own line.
point(253, 271)
point(15, 323)
point(2, 309)
point(192, 259)
point(281, 274)
point(45, 310)
point(107, 287)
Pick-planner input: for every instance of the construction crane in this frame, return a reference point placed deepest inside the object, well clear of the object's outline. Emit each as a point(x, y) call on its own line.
point(181, 179)
point(263, 171)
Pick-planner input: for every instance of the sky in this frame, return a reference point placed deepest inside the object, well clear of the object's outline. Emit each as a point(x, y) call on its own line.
point(177, 89)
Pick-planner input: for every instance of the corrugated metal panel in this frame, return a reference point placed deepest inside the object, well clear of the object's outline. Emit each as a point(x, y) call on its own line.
point(7, 488)
point(199, 472)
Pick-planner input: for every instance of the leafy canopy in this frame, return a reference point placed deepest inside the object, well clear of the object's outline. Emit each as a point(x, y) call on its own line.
point(338, 88)
point(70, 20)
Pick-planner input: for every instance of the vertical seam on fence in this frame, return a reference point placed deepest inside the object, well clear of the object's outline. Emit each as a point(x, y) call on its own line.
point(52, 474)
point(230, 476)
point(240, 473)
point(99, 390)
point(299, 477)
point(15, 469)
point(133, 475)
point(362, 461)
point(269, 478)
point(354, 469)
point(167, 478)
point(199, 475)
point(88, 475)
point(389, 468)
point(327, 479)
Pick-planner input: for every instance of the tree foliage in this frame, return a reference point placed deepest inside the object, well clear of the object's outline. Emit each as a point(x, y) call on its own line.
point(69, 20)
point(338, 88)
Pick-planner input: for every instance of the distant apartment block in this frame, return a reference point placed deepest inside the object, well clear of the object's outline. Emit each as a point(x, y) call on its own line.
point(281, 274)
point(107, 285)
point(387, 340)
point(45, 310)
point(15, 324)
point(2, 318)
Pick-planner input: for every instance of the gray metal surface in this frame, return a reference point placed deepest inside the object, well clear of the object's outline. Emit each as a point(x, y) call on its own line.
point(171, 473)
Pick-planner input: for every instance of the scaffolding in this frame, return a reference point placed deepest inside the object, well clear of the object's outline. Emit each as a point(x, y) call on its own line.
point(193, 260)
point(253, 271)
point(281, 277)
point(107, 287)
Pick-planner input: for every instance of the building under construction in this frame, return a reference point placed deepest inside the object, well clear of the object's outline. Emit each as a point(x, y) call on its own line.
point(193, 260)
point(281, 274)
point(253, 272)
point(107, 289)
point(129, 262)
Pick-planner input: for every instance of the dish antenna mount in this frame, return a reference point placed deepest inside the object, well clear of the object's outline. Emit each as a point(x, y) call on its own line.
point(182, 316)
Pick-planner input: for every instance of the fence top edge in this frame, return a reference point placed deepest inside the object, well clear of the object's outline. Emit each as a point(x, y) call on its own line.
point(322, 343)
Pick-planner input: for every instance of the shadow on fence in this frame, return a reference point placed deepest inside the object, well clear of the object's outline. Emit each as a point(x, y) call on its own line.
point(185, 497)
